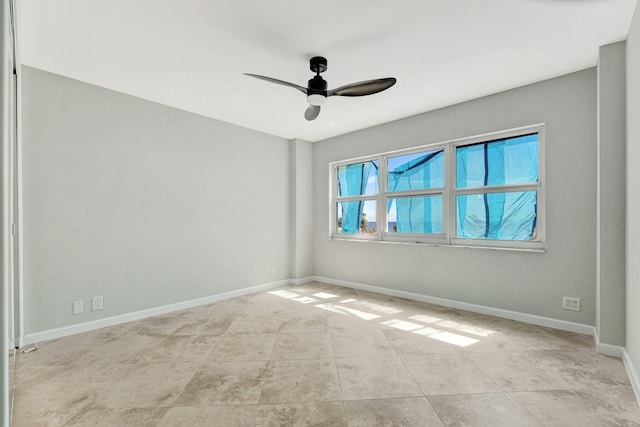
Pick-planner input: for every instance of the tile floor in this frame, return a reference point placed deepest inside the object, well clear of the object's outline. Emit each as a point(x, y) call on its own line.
point(322, 355)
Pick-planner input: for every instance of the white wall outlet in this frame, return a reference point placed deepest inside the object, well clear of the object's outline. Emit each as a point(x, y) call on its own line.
point(571, 303)
point(78, 307)
point(97, 303)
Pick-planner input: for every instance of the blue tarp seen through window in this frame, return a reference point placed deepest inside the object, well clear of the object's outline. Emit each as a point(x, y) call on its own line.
point(504, 216)
point(353, 180)
point(422, 171)
point(509, 215)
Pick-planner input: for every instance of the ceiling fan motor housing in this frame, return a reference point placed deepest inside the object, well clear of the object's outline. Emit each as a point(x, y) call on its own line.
point(317, 91)
point(317, 86)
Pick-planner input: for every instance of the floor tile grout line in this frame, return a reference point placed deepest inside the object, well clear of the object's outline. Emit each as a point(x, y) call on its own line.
point(407, 369)
point(483, 372)
point(524, 409)
point(335, 364)
point(436, 411)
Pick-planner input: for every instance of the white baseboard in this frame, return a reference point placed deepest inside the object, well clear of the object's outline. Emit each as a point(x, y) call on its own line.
point(302, 281)
point(607, 349)
point(491, 311)
point(634, 377)
point(142, 314)
point(115, 320)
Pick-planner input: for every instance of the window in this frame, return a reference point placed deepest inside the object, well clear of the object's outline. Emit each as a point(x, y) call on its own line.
point(480, 191)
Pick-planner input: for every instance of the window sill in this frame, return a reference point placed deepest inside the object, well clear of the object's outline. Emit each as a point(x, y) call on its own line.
point(492, 248)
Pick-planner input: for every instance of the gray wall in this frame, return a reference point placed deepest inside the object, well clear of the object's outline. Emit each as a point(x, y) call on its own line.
point(524, 282)
point(610, 195)
point(302, 201)
point(143, 204)
point(633, 194)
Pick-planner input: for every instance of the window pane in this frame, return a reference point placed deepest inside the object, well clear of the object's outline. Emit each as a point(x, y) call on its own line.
point(416, 171)
point(415, 215)
point(356, 217)
point(504, 216)
point(358, 179)
point(505, 161)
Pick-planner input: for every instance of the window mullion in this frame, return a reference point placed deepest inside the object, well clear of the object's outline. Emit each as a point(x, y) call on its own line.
point(357, 198)
point(382, 191)
point(416, 193)
point(450, 185)
point(498, 188)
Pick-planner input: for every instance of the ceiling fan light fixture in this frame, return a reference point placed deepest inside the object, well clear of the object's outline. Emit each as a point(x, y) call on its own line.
point(316, 99)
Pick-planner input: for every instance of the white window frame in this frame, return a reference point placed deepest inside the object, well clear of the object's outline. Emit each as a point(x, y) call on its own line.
point(448, 192)
point(333, 206)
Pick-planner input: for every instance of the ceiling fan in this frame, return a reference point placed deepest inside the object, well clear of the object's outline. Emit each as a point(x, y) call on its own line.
point(317, 92)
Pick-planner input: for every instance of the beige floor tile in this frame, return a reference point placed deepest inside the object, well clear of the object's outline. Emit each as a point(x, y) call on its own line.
point(57, 352)
point(179, 349)
point(329, 414)
point(41, 418)
point(314, 322)
point(298, 355)
point(361, 344)
point(65, 389)
point(408, 343)
point(121, 349)
point(278, 302)
point(340, 321)
point(255, 325)
point(208, 325)
point(549, 369)
point(574, 341)
point(519, 336)
point(224, 383)
point(59, 397)
point(524, 370)
point(567, 408)
point(135, 417)
point(481, 410)
point(150, 385)
point(309, 345)
point(242, 347)
point(438, 374)
point(591, 369)
point(288, 381)
point(375, 379)
point(409, 412)
point(156, 325)
point(312, 288)
point(231, 306)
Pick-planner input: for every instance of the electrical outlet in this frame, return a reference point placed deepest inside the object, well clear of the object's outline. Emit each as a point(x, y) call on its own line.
point(78, 307)
point(571, 303)
point(97, 303)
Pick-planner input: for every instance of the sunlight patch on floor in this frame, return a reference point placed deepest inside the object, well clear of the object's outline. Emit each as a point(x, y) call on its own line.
point(379, 308)
point(470, 329)
point(455, 339)
point(325, 295)
point(402, 325)
point(396, 323)
point(425, 319)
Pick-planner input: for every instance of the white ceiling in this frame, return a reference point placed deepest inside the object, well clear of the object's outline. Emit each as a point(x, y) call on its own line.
point(191, 54)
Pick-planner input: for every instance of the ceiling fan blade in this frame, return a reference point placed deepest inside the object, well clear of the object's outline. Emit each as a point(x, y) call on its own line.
point(312, 112)
point(368, 87)
point(278, 82)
